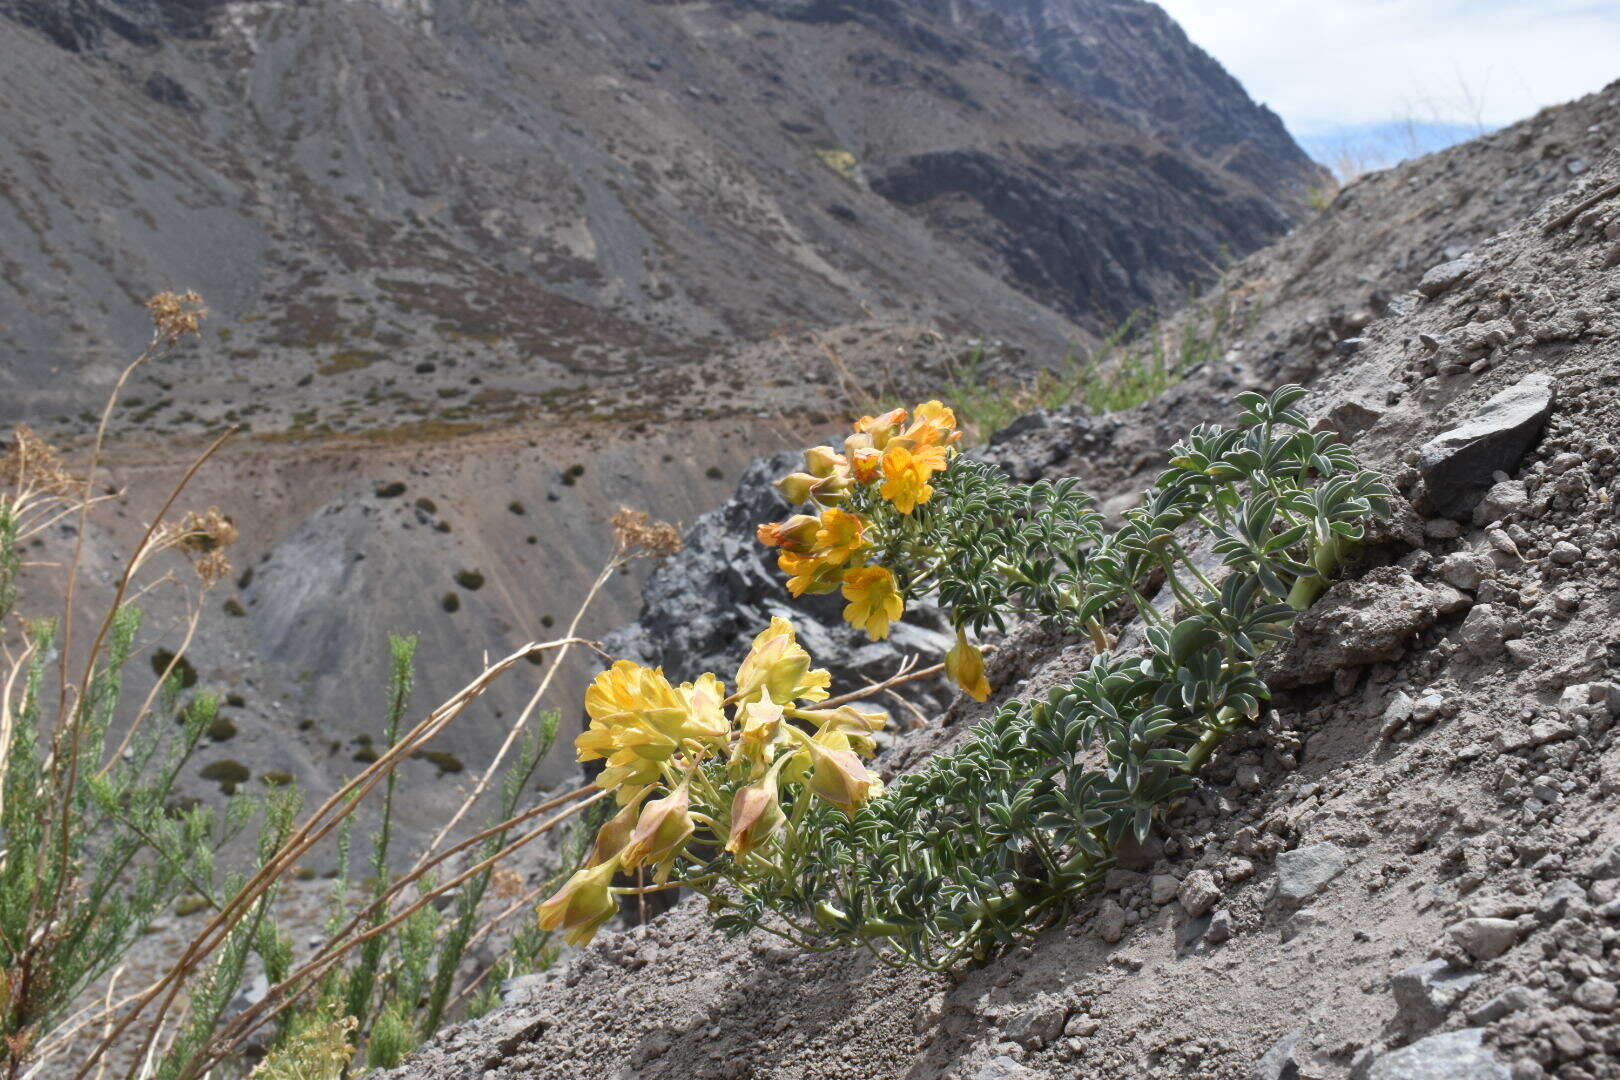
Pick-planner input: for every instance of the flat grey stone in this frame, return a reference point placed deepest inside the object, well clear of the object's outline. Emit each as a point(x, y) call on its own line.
point(1001, 1068)
point(1304, 872)
point(1278, 1062)
point(1454, 1055)
point(1484, 939)
point(1459, 466)
point(1424, 993)
point(1445, 276)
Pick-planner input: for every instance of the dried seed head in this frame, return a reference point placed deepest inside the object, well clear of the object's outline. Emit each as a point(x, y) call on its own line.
point(203, 538)
point(639, 536)
point(32, 464)
point(177, 314)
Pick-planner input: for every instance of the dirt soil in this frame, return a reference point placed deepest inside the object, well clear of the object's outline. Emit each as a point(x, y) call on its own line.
point(1410, 868)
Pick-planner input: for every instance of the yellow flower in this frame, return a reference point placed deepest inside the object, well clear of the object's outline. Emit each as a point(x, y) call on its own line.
point(837, 775)
point(760, 723)
point(854, 727)
point(663, 829)
point(933, 424)
point(808, 573)
point(777, 668)
point(841, 537)
point(965, 663)
point(628, 694)
point(756, 814)
point(906, 473)
point(639, 720)
point(881, 428)
point(583, 905)
point(797, 534)
point(874, 600)
point(704, 718)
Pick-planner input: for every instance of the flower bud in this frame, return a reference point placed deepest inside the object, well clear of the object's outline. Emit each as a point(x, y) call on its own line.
point(756, 814)
point(663, 829)
point(797, 534)
point(822, 461)
point(965, 663)
point(615, 832)
point(836, 773)
point(797, 487)
point(583, 905)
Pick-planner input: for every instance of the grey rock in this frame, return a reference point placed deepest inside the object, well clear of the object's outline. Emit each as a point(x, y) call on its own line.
point(1453, 1055)
point(1428, 708)
point(1278, 1063)
point(1038, 1026)
point(1306, 871)
point(1110, 921)
point(1447, 275)
point(1425, 993)
point(1449, 600)
point(1483, 632)
point(1559, 899)
point(1465, 569)
point(1396, 713)
point(1220, 927)
point(1503, 500)
point(1565, 553)
point(1199, 893)
point(1513, 999)
point(1001, 1068)
point(1350, 418)
point(1606, 865)
point(1597, 995)
point(1484, 939)
point(1163, 888)
point(1458, 466)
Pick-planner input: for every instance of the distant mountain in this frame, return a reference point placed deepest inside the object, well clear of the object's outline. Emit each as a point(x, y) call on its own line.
point(469, 210)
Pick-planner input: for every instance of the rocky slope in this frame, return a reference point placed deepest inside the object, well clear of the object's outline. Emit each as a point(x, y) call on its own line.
point(1409, 869)
point(465, 212)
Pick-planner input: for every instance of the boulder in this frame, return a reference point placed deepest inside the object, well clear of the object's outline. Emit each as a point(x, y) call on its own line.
point(1459, 466)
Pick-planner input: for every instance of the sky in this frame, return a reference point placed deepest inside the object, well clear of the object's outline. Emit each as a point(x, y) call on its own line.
point(1394, 77)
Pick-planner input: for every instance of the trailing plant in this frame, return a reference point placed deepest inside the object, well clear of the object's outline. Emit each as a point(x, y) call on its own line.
point(770, 811)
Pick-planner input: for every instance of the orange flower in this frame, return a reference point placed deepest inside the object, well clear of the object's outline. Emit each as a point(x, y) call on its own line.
point(865, 464)
point(874, 600)
point(906, 474)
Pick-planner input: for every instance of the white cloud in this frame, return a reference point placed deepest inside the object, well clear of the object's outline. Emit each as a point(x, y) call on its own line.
point(1330, 65)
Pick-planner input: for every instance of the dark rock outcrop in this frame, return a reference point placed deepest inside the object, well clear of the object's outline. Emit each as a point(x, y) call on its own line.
point(702, 610)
